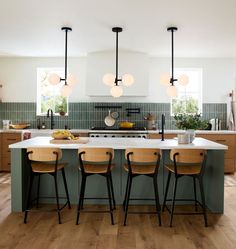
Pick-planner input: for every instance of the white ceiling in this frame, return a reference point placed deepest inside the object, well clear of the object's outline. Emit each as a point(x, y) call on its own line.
point(207, 28)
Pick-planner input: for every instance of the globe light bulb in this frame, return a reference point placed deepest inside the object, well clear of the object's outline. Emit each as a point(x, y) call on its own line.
point(54, 79)
point(66, 91)
point(116, 91)
point(183, 80)
point(71, 80)
point(171, 91)
point(108, 79)
point(165, 79)
point(127, 80)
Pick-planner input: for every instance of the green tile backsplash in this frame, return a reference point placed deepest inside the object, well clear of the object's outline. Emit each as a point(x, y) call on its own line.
point(84, 115)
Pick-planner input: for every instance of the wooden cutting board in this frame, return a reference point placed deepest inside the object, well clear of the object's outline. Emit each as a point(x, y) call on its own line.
point(81, 140)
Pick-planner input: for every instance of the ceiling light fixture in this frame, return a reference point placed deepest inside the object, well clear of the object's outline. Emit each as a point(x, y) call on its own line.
point(70, 80)
point(168, 80)
point(113, 80)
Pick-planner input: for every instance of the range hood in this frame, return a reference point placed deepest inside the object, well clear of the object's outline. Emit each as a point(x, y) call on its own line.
point(100, 63)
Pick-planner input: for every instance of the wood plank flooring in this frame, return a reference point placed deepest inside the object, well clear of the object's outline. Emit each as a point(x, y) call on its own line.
point(95, 231)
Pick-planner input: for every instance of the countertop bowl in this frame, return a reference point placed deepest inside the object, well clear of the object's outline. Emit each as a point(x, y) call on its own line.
point(19, 126)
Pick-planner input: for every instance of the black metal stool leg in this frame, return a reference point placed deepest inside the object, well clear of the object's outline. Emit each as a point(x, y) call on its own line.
point(127, 199)
point(66, 189)
point(80, 203)
point(126, 192)
point(173, 200)
point(158, 206)
point(195, 193)
point(203, 201)
point(29, 196)
point(110, 198)
point(37, 202)
point(112, 191)
point(57, 199)
point(166, 191)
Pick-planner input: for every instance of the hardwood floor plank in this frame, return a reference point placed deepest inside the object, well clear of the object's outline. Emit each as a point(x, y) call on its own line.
point(96, 232)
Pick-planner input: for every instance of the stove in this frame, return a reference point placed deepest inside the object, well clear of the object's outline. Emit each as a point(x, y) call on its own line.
point(136, 132)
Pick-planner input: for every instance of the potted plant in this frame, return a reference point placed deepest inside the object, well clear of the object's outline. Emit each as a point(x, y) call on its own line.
point(61, 106)
point(190, 123)
point(61, 110)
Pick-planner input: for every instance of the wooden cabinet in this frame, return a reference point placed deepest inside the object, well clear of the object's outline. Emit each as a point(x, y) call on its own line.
point(80, 134)
point(7, 139)
point(158, 136)
point(229, 140)
point(226, 139)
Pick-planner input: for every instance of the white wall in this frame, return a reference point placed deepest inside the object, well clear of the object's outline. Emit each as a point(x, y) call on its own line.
point(18, 77)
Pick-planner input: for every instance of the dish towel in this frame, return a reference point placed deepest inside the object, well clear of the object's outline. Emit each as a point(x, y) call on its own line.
point(232, 116)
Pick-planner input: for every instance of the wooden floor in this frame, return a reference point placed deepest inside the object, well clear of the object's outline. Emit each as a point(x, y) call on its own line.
point(95, 231)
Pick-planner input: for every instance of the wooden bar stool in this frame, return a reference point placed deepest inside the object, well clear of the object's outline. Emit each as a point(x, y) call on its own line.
point(96, 161)
point(142, 162)
point(188, 162)
point(45, 161)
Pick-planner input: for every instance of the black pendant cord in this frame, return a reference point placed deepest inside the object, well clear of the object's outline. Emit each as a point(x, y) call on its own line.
point(172, 56)
point(116, 79)
point(66, 29)
point(172, 79)
point(117, 30)
point(66, 57)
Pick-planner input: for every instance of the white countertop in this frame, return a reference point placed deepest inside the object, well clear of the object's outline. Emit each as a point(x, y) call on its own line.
point(41, 132)
point(121, 143)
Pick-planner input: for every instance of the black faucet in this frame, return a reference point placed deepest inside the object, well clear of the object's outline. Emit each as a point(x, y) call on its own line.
point(162, 127)
point(52, 123)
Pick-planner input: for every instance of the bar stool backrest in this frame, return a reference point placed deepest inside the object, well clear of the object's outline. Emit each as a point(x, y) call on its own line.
point(96, 154)
point(187, 155)
point(44, 154)
point(142, 155)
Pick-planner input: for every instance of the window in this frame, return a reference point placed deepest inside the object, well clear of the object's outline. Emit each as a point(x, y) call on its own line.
point(48, 96)
point(189, 99)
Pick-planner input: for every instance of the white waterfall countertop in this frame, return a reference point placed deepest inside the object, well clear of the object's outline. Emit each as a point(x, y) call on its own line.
point(121, 143)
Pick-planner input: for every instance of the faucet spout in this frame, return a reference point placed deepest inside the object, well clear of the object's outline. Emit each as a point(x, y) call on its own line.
point(50, 114)
point(162, 127)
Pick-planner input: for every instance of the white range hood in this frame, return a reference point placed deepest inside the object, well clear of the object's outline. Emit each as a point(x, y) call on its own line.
point(100, 63)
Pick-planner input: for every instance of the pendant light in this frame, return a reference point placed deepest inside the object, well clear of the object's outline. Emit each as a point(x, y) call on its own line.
point(168, 80)
point(114, 81)
point(70, 80)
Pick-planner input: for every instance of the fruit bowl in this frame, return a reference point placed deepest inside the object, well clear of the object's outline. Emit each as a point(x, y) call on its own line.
point(61, 134)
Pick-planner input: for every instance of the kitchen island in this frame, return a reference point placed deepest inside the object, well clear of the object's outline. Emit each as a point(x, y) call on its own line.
point(213, 178)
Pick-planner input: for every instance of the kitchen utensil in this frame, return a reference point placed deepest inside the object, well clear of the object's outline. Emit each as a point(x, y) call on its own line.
point(115, 115)
point(126, 125)
point(109, 120)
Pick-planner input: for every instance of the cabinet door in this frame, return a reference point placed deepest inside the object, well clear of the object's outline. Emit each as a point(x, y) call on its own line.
point(229, 140)
point(6, 140)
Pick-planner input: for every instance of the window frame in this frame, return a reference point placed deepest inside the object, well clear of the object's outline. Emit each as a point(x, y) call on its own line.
point(39, 93)
point(199, 93)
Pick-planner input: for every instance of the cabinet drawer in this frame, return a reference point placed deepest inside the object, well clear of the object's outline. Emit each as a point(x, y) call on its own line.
point(6, 164)
point(229, 166)
point(158, 136)
point(80, 134)
point(221, 139)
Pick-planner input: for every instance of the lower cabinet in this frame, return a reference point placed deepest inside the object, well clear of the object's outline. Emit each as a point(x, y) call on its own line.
point(7, 139)
point(229, 140)
point(226, 139)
